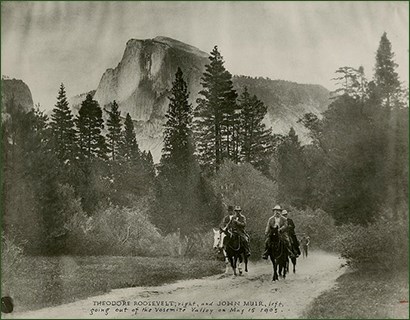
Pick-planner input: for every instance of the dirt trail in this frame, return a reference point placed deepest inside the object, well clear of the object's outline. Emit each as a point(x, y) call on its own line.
point(252, 295)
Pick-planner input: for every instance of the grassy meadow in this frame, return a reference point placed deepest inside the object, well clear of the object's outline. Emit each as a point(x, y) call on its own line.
point(48, 281)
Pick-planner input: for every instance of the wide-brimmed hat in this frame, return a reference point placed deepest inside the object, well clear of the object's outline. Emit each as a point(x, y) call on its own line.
point(277, 207)
point(238, 208)
point(284, 212)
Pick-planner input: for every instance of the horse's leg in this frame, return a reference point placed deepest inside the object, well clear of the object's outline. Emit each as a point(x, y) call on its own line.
point(294, 264)
point(246, 263)
point(275, 274)
point(235, 260)
point(226, 262)
point(240, 264)
point(231, 261)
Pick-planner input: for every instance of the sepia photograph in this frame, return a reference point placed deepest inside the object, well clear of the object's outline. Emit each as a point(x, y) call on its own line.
point(204, 159)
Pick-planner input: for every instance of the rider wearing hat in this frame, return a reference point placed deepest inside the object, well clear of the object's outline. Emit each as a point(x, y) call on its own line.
point(292, 234)
point(276, 220)
point(237, 224)
point(227, 218)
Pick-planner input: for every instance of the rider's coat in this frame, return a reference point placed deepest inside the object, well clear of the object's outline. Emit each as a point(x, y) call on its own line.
point(236, 223)
point(282, 223)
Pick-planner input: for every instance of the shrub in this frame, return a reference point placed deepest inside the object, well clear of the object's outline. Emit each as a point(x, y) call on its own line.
point(318, 225)
point(115, 231)
point(243, 185)
point(382, 244)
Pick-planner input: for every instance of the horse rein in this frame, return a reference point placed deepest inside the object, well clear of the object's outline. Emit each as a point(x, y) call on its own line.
point(239, 245)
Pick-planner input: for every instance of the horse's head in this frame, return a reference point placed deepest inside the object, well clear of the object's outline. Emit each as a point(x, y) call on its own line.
point(218, 239)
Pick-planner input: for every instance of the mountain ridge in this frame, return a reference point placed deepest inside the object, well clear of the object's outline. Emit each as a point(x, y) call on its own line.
point(141, 83)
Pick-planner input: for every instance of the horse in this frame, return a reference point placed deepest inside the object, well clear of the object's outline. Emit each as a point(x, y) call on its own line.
point(278, 253)
point(233, 250)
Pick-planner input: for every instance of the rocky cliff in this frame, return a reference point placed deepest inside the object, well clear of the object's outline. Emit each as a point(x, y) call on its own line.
point(142, 80)
point(286, 101)
point(19, 90)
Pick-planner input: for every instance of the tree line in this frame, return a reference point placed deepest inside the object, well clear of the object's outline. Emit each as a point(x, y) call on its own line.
point(354, 165)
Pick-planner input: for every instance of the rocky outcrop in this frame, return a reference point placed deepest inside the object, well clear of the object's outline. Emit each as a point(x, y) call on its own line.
point(19, 91)
point(142, 80)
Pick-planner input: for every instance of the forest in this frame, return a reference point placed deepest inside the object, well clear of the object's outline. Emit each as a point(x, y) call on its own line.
point(80, 185)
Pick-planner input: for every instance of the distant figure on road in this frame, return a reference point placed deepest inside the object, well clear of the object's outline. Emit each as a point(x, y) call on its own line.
point(304, 242)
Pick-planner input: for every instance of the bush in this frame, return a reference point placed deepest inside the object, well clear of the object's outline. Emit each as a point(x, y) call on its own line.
point(128, 231)
point(381, 245)
point(243, 185)
point(318, 225)
point(115, 231)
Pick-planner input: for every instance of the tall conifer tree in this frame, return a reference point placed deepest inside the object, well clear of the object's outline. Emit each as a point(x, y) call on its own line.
point(90, 123)
point(215, 114)
point(181, 193)
point(178, 151)
point(114, 134)
point(255, 137)
point(63, 129)
point(386, 77)
point(129, 147)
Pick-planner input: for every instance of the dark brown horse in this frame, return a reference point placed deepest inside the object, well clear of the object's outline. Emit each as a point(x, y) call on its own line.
point(278, 254)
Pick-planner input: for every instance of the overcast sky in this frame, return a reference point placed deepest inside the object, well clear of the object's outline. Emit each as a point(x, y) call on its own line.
point(46, 43)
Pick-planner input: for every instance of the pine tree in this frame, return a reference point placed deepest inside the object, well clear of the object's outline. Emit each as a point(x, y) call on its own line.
point(149, 166)
point(215, 114)
point(129, 146)
point(178, 150)
point(90, 123)
point(114, 134)
point(386, 77)
point(255, 137)
point(181, 193)
point(63, 129)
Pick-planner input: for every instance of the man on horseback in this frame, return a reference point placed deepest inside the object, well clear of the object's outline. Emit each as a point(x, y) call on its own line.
point(292, 235)
point(277, 220)
point(236, 224)
point(227, 218)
